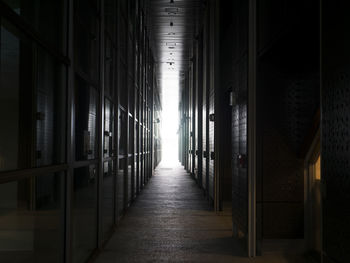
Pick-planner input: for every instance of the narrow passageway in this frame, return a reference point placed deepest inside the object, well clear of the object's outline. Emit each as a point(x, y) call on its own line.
point(171, 221)
point(174, 131)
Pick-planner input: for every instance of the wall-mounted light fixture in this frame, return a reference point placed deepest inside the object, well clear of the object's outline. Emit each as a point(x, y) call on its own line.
point(171, 10)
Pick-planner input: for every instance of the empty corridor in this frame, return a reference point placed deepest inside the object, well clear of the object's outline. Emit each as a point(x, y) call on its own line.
point(171, 221)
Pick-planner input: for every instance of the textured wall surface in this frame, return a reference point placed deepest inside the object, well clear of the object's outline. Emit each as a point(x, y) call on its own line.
point(288, 107)
point(335, 165)
point(239, 150)
point(211, 142)
point(239, 119)
point(288, 101)
point(205, 163)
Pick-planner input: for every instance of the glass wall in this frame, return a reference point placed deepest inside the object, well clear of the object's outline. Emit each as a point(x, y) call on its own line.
point(32, 126)
point(33, 101)
point(70, 100)
point(31, 219)
point(108, 198)
point(84, 212)
point(45, 17)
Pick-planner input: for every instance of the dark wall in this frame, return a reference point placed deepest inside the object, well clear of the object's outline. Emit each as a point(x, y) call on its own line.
point(238, 71)
point(287, 103)
point(335, 130)
point(226, 84)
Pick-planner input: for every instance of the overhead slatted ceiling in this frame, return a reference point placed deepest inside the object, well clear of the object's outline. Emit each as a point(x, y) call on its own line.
point(172, 27)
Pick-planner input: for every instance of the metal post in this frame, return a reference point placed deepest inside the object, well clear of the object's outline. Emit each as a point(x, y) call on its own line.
point(252, 130)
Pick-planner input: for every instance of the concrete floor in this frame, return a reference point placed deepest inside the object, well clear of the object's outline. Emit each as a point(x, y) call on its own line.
point(172, 222)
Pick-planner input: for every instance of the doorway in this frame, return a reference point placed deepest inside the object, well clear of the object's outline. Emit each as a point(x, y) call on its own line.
point(313, 206)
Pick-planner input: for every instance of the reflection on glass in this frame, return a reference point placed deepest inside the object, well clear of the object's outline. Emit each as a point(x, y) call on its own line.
point(85, 120)
point(109, 129)
point(31, 103)
point(130, 179)
point(120, 187)
point(43, 15)
point(84, 213)
point(131, 135)
point(109, 87)
point(135, 183)
point(86, 39)
point(31, 219)
point(110, 16)
point(50, 128)
point(318, 168)
point(123, 91)
point(9, 99)
point(108, 199)
point(122, 132)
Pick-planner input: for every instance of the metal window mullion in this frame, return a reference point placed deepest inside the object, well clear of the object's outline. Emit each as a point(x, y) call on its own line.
point(100, 132)
point(70, 133)
point(117, 110)
point(215, 74)
point(10, 176)
point(252, 57)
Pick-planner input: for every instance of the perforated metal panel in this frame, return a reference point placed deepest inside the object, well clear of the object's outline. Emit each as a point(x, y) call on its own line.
point(299, 102)
point(45, 132)
point(239, 120)
point(205, 109)
point(239, 148)
point(211, 142)
point(336, 164)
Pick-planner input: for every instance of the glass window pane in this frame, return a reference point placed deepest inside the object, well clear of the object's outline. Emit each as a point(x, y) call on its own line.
point(131, 135)
point(120, 186)
point(85, 120)
point(50, 110)
point(46, 16)
point(130, 179)
point(123, 87)
point(84, 203)
point(110, 16)
point(109, 129)
point(109, 80)
point(10, 97)
point(108, 199)
point(122, 132)
point(31, 219)
point(32, 103)
point(86, 40)
point(131, 88)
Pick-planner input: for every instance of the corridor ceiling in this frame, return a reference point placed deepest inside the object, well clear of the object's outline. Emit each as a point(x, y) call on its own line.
point(172, 26)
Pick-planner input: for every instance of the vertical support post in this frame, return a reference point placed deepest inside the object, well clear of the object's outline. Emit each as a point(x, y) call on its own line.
point(252, 129)
point(193, 98)
point(127, 111)
point(100, 129)
point(70, 151)
point(323, 259)
point(116, 79)
point(215, 25)
point(152, 81)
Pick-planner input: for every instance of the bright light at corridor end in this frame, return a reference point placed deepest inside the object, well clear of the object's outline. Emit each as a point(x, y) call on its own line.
point(170, 120)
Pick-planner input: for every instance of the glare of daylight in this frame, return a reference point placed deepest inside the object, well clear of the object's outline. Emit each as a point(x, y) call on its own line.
point(170, 121)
